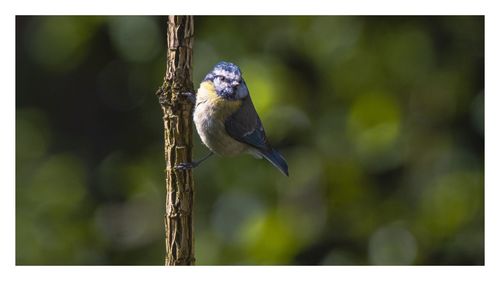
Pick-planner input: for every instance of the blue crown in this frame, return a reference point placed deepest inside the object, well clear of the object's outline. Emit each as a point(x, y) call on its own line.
point(227, 66)
point(223, 66)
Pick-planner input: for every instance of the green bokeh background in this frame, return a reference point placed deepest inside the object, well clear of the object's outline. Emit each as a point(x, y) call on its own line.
point(381, 120)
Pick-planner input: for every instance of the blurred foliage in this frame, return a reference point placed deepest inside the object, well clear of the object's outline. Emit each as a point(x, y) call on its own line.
point(381, 120)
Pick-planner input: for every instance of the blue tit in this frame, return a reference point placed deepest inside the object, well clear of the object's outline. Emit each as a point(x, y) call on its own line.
point(226, 119)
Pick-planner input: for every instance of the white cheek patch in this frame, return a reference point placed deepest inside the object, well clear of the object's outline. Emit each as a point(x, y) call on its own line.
point(220, 84)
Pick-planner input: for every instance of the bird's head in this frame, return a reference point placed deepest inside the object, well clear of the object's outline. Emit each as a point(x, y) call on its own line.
point(228, 81)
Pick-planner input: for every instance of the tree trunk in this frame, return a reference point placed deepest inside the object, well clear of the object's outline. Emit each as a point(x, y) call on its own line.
point(178, 125)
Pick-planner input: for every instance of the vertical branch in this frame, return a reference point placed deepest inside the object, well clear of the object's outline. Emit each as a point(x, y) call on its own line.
point(177, 111)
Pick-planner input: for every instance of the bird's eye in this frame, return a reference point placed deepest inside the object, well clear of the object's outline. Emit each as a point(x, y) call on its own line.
point(222, 78)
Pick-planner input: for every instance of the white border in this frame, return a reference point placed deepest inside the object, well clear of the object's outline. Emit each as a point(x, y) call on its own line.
point(260, 7)
point(267, 7)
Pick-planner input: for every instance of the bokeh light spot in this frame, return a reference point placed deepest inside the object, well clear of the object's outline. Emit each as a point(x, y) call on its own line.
point(451, 201)
point(392, 245)
point(127, 225)
point(59, 43)
point(231, 212)
point(269, 240)
point(136, 38)
point(374, 123)
point(32, 134)
point(61, 176)
point(261, 85)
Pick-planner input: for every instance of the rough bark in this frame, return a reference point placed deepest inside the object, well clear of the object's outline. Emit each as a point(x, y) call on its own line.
point(178, 131)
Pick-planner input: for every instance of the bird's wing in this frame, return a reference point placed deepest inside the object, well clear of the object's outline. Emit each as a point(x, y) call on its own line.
point(244, 125)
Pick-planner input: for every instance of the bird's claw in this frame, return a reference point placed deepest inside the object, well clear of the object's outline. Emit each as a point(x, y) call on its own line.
point(185, 166)
point(189, 96)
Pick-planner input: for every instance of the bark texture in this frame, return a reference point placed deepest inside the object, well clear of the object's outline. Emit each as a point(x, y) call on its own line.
point(178, 126)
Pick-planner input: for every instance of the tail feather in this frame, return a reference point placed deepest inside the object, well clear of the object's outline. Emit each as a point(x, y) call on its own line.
point(275, 158)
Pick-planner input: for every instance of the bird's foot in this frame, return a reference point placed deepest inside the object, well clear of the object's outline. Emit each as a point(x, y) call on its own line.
point(189, 96)
point(192, 165)
point(186, 166)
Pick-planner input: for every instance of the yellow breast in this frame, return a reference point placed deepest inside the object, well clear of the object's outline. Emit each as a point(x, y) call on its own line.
point(221, 107)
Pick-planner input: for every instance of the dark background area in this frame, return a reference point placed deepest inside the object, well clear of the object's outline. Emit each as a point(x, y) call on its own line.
point(381, 120)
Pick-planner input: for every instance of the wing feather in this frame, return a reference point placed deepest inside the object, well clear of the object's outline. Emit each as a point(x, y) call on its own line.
point(245, 126)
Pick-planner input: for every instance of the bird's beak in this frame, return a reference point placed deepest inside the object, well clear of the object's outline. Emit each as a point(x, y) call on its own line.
point(235, 84)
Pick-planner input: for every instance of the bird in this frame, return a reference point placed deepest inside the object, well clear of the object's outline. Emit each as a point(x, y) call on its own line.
point(226, 120)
